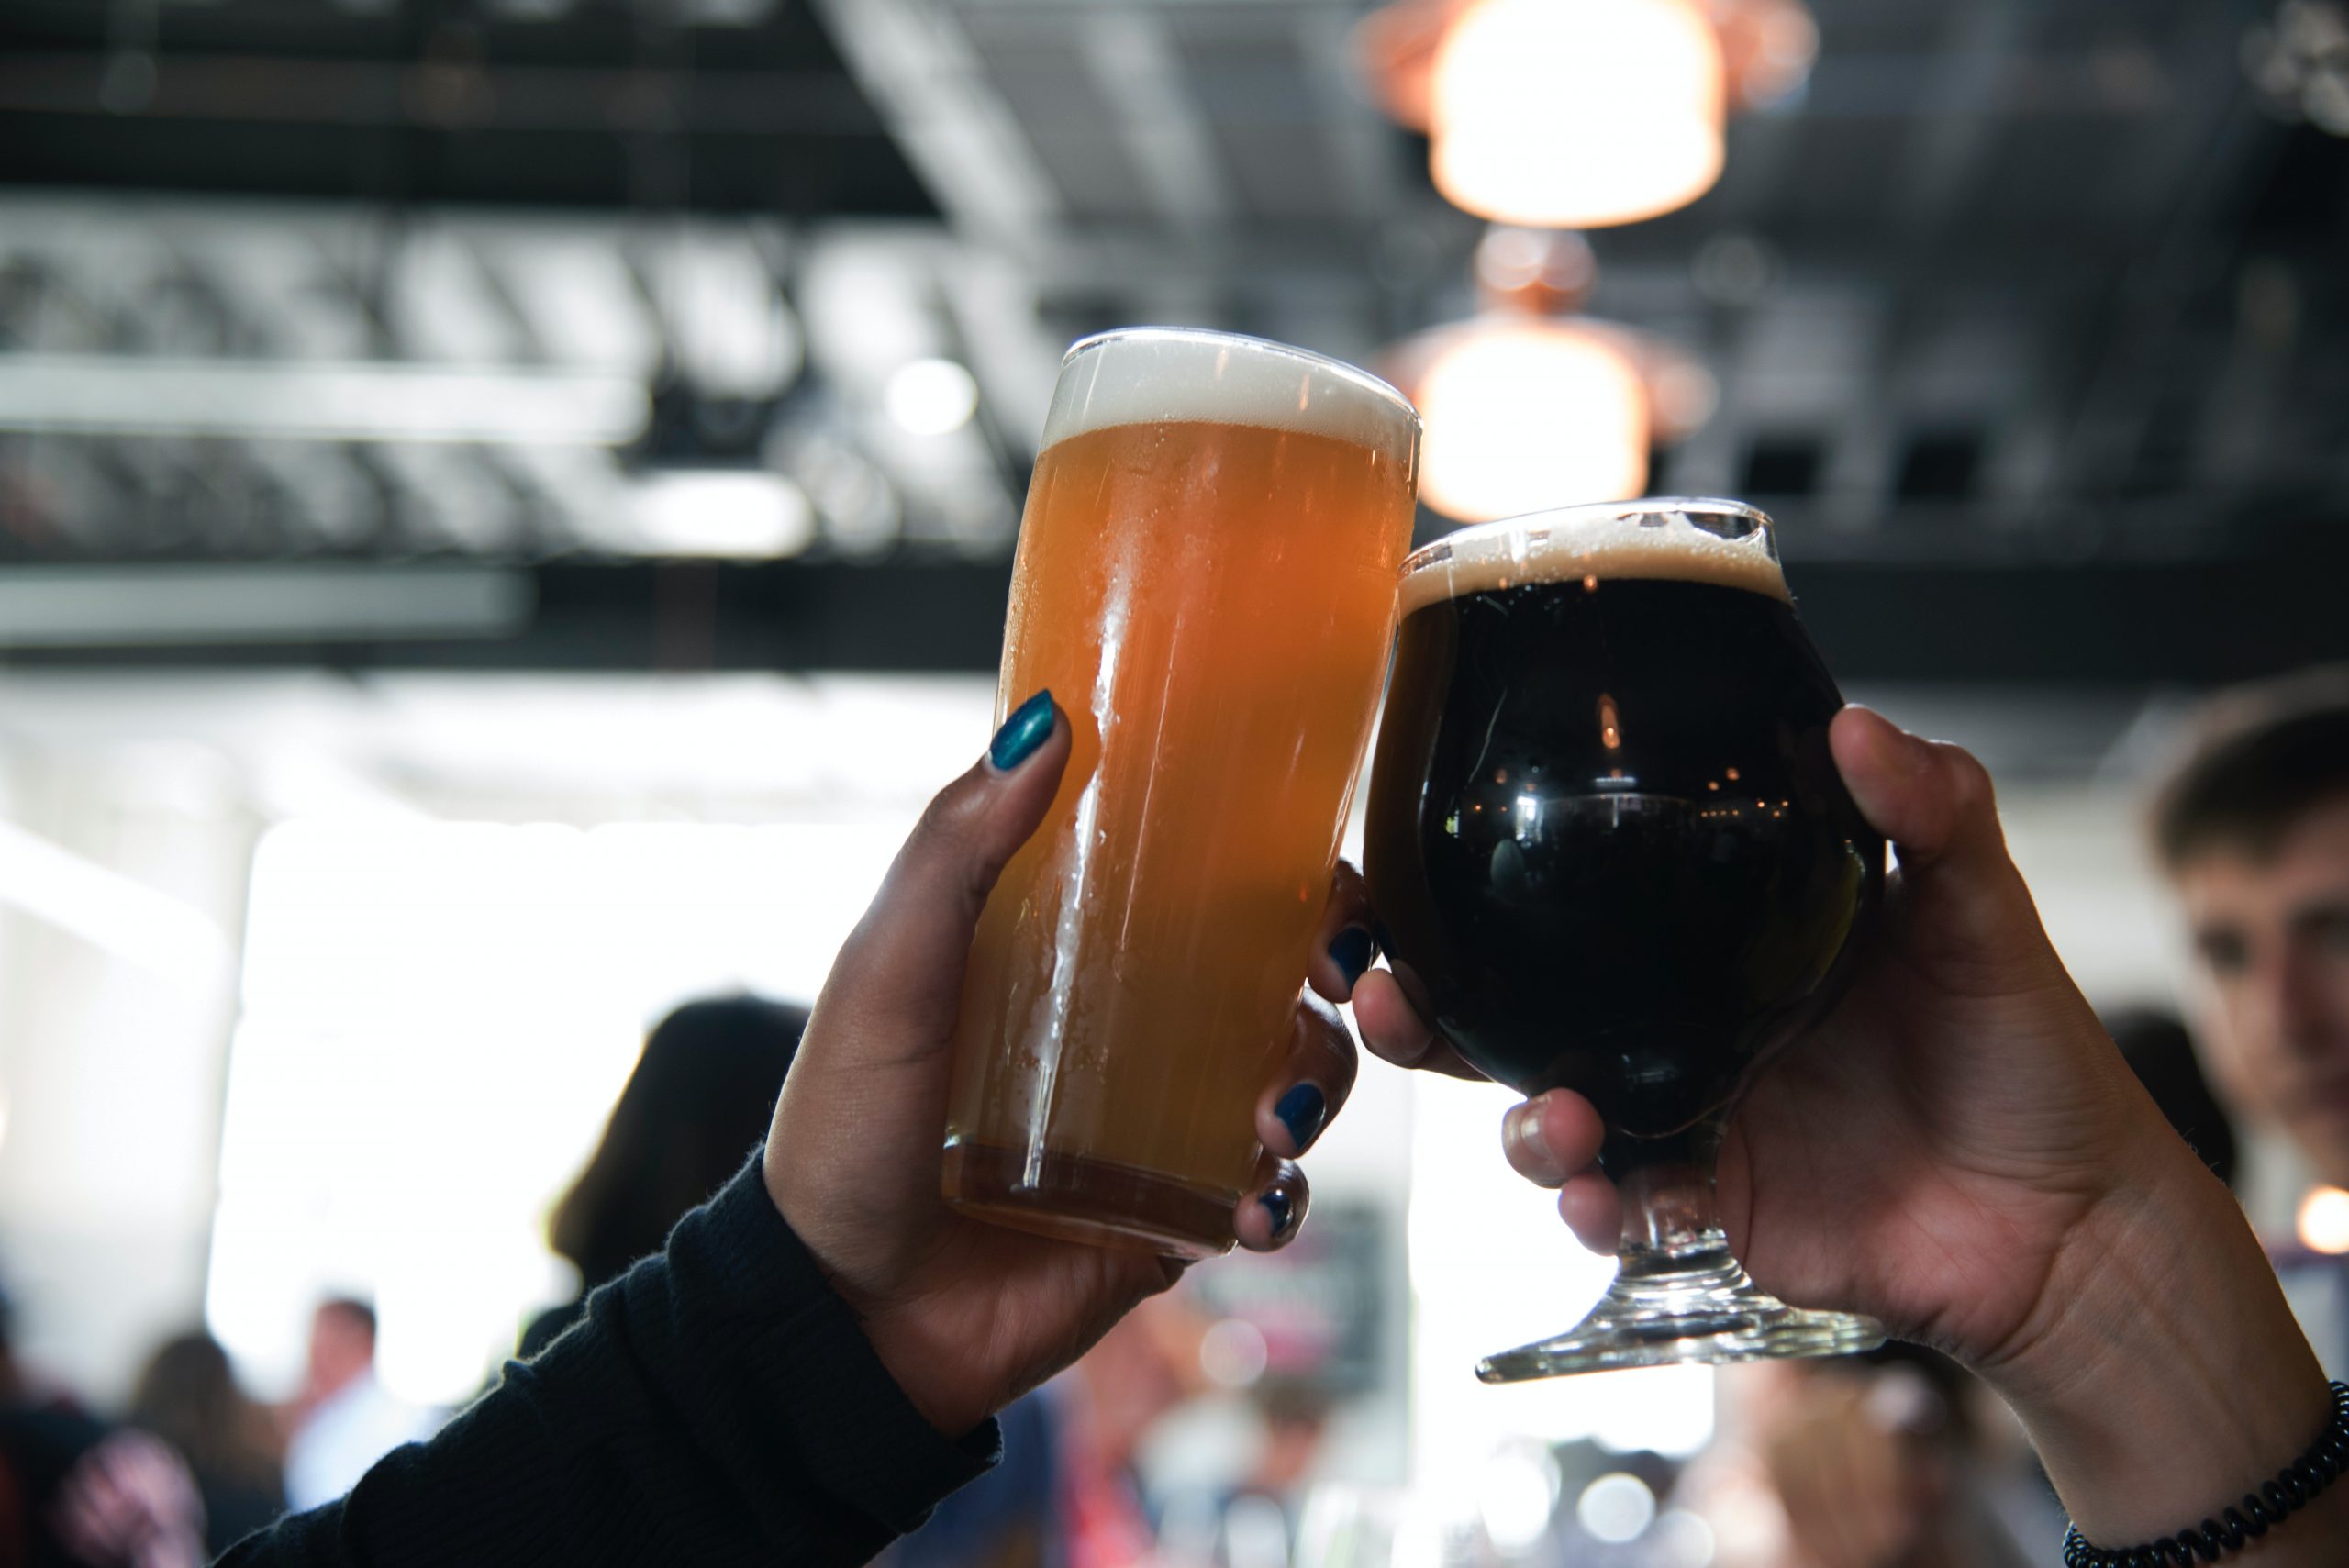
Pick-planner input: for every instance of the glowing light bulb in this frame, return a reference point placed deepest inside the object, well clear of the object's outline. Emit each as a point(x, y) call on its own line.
point(1522, 414)
point(1577, 114)
point(2324, 1221)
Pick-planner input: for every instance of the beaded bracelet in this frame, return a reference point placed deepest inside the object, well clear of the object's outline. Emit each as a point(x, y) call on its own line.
point(2261, 1511)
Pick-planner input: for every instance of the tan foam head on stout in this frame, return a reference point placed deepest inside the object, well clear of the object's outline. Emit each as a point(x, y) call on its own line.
point(1148, 375)
point(1725, 543)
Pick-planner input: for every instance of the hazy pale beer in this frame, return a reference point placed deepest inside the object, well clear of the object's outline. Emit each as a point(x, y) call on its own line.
point(1206, 581)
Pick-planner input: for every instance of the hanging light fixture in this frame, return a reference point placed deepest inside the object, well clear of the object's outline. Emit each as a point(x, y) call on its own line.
point(1530, 405)
point(1580, 114)
point(1527, 414)
point(1574, 114)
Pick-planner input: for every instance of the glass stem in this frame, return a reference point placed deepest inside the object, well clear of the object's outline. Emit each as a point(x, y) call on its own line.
point(1671, 1224)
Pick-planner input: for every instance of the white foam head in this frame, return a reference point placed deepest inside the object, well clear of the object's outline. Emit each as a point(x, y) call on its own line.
point(1148, 375)
point(1726, 544)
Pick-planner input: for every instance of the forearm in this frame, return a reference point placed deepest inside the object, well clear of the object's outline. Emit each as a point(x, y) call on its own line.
point(520, 1478)
point(718, 1404)
point(2167, 1377)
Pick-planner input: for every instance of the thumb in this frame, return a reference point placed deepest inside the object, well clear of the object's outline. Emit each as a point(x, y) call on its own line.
point(899, 977)
point(1935, 803)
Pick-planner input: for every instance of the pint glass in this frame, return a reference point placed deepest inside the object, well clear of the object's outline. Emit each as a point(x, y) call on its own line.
point(1206, 581)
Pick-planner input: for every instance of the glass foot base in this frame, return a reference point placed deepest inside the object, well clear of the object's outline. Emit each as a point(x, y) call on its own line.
point(1706, 1311)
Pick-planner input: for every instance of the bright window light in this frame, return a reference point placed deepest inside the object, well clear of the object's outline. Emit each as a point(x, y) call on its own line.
point(118, 913)
point(437, 1018)
point(1493, 1267)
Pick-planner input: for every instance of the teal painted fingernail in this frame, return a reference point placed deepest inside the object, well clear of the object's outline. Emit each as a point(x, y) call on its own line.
point(1030, 726)
point(1279, 1210)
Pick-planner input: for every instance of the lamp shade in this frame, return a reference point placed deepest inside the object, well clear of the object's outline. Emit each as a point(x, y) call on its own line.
point(1577, 114)
point(1522, 414)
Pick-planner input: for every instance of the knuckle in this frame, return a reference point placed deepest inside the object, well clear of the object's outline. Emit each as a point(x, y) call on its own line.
point(947, 821)
point(950, 844)
point(1341, 1046)
point(1970, 782)
point(1324, 1028)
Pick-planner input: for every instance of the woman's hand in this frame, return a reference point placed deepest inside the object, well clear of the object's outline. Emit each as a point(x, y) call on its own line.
point(968, 1315)
point(1959, 1150)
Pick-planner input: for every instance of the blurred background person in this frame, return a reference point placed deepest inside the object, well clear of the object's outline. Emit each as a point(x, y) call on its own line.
point(1260, 1513)
point(1296, 1415)
point(2252, 827)
point(1201, 1429)
point(1874, 1461)
point(1069, 1492)
point(43, 1436)
point(76, 1491)
point(692, 1111)
point(188, 1395)
point(344, 1419)
point(1016, 1515)
point(130, 1503)
point(2160, 1050)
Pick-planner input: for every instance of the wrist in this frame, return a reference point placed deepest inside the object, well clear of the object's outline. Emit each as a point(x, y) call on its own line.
point(2160, 1373)
point(928, 1368)
point(926, 1372)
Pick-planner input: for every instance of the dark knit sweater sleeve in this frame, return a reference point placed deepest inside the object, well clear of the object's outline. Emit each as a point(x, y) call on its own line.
point(717, 1404)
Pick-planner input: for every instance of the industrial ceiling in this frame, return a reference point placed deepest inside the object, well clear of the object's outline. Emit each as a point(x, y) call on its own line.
point(2029, 320)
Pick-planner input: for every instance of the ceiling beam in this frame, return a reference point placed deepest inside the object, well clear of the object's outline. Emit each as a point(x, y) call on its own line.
point(2029, 623)
point(916, 63)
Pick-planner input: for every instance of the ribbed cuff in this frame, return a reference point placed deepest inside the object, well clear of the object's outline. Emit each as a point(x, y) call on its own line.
point(791, 1352)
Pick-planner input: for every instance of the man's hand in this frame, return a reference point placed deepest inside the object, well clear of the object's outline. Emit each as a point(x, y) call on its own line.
point(1959, 1150)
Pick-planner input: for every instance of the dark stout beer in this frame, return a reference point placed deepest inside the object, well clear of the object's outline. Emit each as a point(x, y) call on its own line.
point(1605, 833)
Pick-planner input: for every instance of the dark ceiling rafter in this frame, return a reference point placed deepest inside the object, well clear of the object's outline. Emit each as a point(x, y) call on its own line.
point(2028, 288)
point(440, 103)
